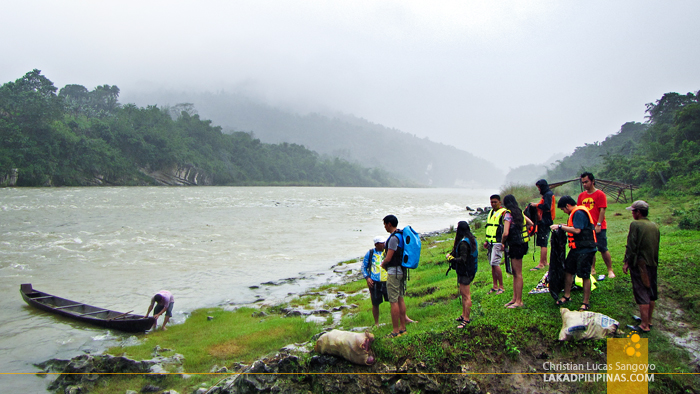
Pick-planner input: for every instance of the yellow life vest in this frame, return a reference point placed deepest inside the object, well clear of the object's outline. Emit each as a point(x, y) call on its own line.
point(524, 235)
point(494, 228)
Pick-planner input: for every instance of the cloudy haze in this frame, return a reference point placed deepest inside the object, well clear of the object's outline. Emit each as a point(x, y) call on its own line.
point(561, 73)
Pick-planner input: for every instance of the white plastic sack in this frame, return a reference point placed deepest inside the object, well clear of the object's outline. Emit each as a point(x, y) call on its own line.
point(352, 346)
point(585, 325)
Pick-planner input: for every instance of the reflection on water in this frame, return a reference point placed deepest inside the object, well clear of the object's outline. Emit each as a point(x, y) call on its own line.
point(116, 247)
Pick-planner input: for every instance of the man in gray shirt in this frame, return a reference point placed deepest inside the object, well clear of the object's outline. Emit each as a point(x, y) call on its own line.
point(396, 282)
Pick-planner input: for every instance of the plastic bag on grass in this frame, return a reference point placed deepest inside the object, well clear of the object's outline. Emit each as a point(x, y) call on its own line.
point(352, 346)
point(585, 325)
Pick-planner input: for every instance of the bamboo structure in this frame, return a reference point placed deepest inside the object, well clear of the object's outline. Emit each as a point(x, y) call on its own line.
point(612, 189)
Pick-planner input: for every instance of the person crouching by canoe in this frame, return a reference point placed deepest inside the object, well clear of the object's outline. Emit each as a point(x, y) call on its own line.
point(163, 301)
point(463, 259)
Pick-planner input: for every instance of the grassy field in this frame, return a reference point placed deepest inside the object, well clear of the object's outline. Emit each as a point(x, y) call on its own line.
point(498, 340)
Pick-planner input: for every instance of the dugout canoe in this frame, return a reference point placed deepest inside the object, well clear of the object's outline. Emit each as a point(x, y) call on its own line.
point(85, 313)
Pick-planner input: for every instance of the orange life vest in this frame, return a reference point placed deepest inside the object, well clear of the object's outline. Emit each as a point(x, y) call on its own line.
point(552, 211)
point(584, 239)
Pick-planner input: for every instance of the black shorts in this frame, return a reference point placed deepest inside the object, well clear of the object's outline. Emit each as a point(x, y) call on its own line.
point(644, 295)
point(159, 307)
point(602, 241)
point(517, 251)
point(465, 279)
point(543, 231)
point(579, 264)
point(379, 293)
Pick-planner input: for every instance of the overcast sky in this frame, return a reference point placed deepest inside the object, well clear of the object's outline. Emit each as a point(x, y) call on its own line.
point(473, 74)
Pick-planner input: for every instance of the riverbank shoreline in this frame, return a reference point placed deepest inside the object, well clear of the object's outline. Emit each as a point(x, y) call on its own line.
point(502, 350)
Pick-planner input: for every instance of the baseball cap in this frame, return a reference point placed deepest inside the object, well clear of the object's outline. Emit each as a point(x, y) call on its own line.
point(639, 204)
point(379, 239)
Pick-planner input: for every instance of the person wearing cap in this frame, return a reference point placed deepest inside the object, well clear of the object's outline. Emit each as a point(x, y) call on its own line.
point(641, 261)
point(580, 230)
point(163, 301)
point(375, 276)
point(597, 203)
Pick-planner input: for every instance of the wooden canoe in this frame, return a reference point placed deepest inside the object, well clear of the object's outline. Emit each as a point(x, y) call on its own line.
point(85, 313)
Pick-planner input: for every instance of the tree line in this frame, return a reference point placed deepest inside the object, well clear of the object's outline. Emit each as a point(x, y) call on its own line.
point(77, 137)
point(661, 154)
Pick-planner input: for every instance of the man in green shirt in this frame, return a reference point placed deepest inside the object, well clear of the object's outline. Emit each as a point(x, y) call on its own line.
point(641, 260)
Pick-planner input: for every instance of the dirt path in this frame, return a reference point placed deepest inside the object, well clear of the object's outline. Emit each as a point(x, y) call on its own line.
point(669, 319)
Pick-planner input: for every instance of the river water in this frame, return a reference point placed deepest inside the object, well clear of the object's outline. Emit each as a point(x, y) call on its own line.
point(115, 247)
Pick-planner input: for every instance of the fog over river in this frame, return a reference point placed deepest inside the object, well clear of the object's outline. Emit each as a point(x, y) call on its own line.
point(114, 247)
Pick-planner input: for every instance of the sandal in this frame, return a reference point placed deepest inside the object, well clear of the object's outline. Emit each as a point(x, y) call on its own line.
point(493, 291)
point(393, 335)
point(639, 321)
point(464, 324)
point(584, 307)
point(638, 329)
point(459, 319)
point(563, 300)
point(500, 291)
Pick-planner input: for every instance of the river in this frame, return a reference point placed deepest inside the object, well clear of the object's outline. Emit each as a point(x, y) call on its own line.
point(115, 247)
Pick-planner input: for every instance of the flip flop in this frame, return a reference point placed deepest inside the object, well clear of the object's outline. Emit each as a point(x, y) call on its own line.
point(513, 306)
point(566, 299)
point(393, 335)
point(535, 269)
point(584, 307)
point(637, 328)
point(500, 291)
point(492, 291)
point(639, 320)
point(464, 324)
point(509, 303)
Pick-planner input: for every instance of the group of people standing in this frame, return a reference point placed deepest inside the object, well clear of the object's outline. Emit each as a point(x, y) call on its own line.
point(507, 237)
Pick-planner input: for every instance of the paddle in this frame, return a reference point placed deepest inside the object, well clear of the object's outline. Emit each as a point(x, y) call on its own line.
point(118, 316)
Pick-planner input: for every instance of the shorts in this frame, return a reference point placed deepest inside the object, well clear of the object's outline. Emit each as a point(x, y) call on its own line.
point(159, 308)
point(378, 293)
point(396, 287)
point(465, 279)
point(517, 251)
point(579, 264)
point(643, 295)
point(543, 232)
point(495, 254)
point(602, 241)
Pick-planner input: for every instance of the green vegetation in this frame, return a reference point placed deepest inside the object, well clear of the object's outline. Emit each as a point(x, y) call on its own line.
point(80, 137)
point(497, 340)
point(662, 155)
point(522, 193)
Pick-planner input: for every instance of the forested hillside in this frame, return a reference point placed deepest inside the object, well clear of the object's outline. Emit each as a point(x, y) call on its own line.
point(341, 136)
point(661, 154)
point(81, 137)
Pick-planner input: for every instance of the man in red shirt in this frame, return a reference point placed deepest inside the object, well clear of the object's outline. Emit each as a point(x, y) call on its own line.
point(597, 202)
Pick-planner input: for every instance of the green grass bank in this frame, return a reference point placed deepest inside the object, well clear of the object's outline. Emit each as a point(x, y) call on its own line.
point(499, 340)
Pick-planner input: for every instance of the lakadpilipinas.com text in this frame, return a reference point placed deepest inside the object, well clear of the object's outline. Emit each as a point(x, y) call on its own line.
point(592, 372)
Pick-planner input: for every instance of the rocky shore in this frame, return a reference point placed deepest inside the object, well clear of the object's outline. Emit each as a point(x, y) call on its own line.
point(283, 373)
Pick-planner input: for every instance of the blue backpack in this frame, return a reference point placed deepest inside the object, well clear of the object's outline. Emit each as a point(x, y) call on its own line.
point(410, 242)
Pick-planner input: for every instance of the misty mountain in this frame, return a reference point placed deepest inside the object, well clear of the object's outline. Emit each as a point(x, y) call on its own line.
point(530, 173)
point(338, 135)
